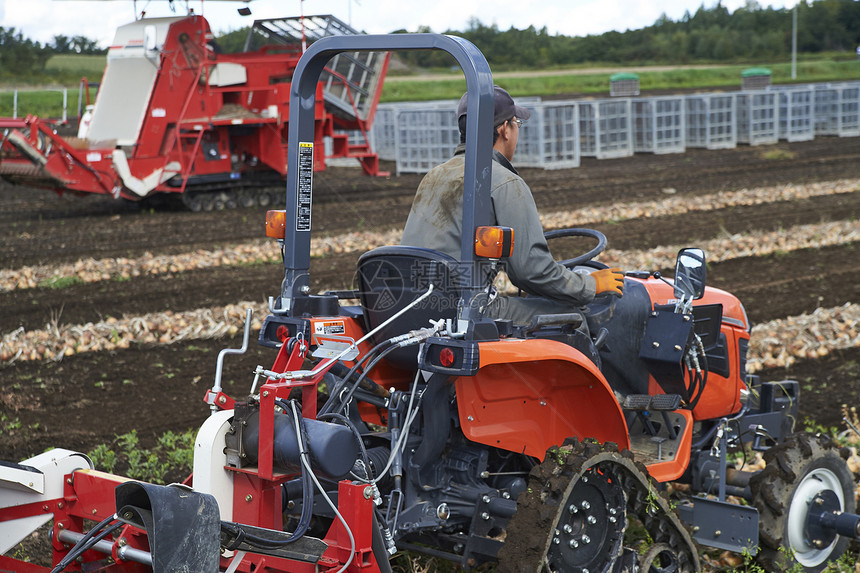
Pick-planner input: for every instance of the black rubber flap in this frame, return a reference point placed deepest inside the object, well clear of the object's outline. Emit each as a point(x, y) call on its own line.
point(183, 526)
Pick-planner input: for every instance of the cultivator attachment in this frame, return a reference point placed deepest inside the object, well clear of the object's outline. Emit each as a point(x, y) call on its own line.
point(32, 153)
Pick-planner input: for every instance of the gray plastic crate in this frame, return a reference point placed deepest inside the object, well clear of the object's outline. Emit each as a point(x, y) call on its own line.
point(710, 121)
point(754, 79)
point(757, 117)
point(624, 84)
point(658, 125)
point(796, 118)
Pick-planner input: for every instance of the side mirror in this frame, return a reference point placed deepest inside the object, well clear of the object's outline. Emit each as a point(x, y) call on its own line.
point(691, 273)
point(494, 242)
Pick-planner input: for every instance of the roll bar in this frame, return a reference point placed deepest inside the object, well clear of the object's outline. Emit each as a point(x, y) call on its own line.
point(476, 192)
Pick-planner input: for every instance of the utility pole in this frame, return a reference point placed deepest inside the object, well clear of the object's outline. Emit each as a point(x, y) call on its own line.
point(794, 43)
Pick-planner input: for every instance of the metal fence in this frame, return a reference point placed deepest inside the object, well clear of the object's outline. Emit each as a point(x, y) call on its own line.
point(418, 136)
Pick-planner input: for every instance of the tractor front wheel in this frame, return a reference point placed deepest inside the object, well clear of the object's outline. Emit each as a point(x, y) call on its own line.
point(798, 470)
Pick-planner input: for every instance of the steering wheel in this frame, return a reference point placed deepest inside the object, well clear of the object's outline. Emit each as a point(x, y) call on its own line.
point(584, 258)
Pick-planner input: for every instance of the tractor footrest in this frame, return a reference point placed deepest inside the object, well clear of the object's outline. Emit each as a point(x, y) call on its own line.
point(639, 402)
point(665, 402)
point(659, 402)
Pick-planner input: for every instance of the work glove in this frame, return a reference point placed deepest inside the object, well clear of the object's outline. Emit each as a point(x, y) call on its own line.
point(609, 281)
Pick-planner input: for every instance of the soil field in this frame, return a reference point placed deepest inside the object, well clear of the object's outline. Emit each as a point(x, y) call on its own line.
point(88, 399)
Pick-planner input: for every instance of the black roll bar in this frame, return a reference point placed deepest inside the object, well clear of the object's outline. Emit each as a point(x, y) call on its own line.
point(476, 192)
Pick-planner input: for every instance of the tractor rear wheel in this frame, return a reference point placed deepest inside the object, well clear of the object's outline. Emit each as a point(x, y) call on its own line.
point(800, 468)
point(574, 512)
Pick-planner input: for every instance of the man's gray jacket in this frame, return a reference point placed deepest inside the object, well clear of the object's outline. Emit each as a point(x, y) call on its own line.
point(436, 220)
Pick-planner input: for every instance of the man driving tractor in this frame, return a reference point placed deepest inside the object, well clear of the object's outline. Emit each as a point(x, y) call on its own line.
point(435, 222)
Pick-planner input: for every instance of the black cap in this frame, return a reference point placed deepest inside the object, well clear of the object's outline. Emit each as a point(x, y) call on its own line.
point(505, 108)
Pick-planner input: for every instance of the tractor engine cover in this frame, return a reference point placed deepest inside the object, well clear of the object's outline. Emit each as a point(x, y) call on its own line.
point(333, 448)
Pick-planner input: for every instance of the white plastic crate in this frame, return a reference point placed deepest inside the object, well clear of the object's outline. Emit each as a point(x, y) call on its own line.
point(658, 125)
point(605, 128)
point(614, 129)
point(425, 139)
point(757, 117)
point(550, 138)
point(828, 110)
point(850, 110)
point(796, 119)
point(710, 121)
point(383, 134)
point(587, 111)
point(385, 124)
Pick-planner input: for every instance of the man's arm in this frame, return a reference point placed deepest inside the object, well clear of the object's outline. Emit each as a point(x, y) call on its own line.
point(531, 266)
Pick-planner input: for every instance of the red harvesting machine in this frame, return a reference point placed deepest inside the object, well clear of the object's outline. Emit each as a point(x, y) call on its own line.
point(175, 115)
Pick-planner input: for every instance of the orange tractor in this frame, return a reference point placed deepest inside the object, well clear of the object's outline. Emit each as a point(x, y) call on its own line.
point(410, 421)
point(174, 115)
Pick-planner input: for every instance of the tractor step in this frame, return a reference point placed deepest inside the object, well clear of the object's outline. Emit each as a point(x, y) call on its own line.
point(659, 402)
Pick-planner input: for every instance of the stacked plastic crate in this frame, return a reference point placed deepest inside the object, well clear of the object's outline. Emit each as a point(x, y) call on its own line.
point(710, 121)
point(658, 125)
point(420, 135)
point(757, 117)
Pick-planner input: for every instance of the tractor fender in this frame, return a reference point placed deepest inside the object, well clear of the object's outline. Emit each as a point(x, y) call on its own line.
point(531, 394)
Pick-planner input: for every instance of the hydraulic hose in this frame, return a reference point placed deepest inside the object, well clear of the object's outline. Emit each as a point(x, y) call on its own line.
point(93, 536)
point(345, 400)
point(327, 407)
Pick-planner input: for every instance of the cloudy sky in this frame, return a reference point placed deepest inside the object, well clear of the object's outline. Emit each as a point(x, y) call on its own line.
point(41, 20)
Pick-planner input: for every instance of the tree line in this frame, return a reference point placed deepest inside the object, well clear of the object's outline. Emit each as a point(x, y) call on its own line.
point(22, 58)
point(712, 33)
point(750, 33)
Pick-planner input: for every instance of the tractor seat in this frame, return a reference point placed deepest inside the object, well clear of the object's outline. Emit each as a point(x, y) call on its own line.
point(389, 278)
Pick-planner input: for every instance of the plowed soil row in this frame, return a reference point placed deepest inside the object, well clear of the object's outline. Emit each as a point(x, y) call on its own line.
point(86, 400)
point(98, 226)
point(826, 277)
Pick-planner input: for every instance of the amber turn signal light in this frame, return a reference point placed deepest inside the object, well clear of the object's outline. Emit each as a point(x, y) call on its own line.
point(276, 222)
point(494, 242)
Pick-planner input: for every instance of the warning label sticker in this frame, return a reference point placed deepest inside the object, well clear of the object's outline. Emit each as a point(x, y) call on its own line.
point(329, 327)
point(305, 190)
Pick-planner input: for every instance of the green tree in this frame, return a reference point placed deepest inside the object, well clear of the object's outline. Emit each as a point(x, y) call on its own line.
point(19, 56)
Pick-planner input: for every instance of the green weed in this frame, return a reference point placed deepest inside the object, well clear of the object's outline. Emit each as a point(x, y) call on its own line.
point(170, 459)
point(60, 282)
